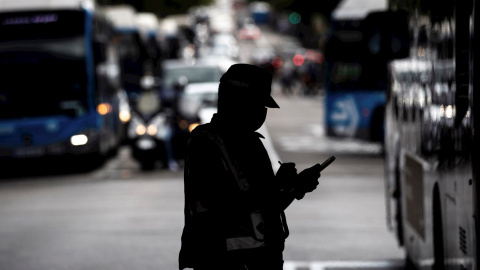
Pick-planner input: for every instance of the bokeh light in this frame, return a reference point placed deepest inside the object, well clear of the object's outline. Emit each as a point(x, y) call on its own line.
point(298, 60)
point(295, 18)
point(277, 62)
point(103, 108)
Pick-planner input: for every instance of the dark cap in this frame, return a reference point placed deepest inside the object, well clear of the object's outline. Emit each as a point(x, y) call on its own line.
point(256, 80)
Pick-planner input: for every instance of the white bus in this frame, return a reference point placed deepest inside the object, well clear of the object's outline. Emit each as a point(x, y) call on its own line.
point(432, 149)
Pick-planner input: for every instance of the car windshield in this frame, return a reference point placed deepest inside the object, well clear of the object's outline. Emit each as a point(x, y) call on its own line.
point(43, 77)
point(191, 102)
point(220, 49)
point(193, 74)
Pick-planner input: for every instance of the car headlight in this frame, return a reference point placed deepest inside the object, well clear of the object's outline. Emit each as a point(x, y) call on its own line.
point(134, 126)
point(152, 130)
point(79, 139)
point(140, 129)
point(159, 127)
point(124, 116)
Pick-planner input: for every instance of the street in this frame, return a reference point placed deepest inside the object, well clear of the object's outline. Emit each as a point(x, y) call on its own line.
point(119, 217)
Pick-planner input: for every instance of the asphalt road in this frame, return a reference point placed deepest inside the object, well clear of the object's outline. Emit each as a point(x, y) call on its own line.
point(118, 217)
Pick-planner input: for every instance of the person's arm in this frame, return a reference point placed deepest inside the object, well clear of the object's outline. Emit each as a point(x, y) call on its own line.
point(286, 198)
point(285, 177)
point(295, 186)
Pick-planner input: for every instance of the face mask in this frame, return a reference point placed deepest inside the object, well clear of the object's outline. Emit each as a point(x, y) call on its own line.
point(255, 119)
point(245, 119)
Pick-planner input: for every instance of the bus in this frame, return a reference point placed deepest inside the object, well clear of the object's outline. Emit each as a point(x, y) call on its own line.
point(355, 77)
point(149, 28)
point(431, 148)
point(132, 51)
point(58, 92)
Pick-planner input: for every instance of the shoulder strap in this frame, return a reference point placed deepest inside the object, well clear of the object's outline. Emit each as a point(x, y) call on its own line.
point(240, 179)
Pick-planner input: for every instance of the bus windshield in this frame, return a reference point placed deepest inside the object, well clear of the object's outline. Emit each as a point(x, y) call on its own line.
point(43, 78)
point(43, 64)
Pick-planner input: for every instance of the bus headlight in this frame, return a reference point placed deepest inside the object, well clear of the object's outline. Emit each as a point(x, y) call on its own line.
point(124, 116)
point(140, 129)
point(152, 130)
point(79, 139)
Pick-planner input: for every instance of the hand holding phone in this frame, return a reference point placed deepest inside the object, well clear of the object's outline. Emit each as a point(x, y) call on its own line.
point(326, 163)
point(286, 175)
point(307, 180)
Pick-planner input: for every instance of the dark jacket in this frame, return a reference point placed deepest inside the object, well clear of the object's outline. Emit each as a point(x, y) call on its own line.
point(208, 181)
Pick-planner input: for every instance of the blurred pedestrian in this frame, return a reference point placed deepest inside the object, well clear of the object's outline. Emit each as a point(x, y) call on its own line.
point(234, 203)
point(288, 77)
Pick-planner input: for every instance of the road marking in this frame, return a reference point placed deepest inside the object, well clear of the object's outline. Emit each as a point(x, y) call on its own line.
point(332, 265)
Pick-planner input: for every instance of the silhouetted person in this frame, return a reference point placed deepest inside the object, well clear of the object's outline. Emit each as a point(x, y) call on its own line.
point(234, 203)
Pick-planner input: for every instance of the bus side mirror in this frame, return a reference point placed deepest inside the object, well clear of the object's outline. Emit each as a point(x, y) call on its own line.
point(387, 34)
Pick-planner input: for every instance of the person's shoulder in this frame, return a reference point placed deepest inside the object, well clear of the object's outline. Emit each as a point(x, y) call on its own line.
point(201, 143)
point(202, 128)
point(201, 135)
point(202, 131)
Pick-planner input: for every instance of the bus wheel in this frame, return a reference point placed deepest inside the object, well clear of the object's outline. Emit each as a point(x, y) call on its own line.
point(438, 251)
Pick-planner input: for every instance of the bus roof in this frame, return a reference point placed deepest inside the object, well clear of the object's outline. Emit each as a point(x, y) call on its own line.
point(170, 24)
point(147, 21)
point(357, 9)
point(122, 16)
point(24, 5)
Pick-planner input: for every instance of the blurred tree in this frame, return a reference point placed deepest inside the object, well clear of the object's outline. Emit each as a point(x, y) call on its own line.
point(160, 8)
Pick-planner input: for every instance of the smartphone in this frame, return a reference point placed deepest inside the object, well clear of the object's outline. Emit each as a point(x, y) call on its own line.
point(326, 163)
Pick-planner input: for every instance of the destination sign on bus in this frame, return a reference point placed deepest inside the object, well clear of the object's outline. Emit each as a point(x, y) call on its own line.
point(35, 19)
point(17, 26)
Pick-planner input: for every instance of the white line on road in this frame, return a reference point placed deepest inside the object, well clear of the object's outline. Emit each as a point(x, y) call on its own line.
point(323, 265)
